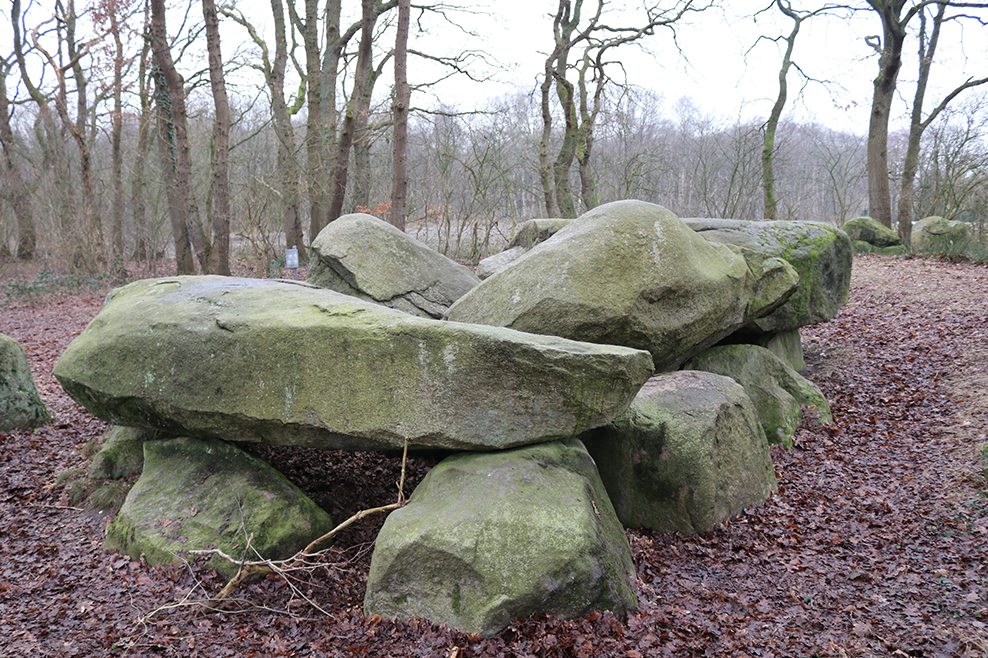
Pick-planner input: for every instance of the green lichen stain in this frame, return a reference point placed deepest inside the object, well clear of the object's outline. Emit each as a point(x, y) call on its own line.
point(456, 598)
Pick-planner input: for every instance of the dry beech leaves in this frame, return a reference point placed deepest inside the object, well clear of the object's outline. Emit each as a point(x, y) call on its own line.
point(874, 545)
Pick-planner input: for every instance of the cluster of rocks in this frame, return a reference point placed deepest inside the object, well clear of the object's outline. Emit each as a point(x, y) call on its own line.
point(870, 236)
point(20, 406)
point(934, 235)
point(556, 381)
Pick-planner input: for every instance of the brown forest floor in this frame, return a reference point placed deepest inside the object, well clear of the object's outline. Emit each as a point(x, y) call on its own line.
point(874, 545)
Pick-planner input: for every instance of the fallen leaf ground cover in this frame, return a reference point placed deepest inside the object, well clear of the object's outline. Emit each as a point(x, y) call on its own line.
point(874, 544)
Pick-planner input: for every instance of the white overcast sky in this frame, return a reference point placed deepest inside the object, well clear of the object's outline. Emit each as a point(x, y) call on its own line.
point(724, 76)
point(718, 69)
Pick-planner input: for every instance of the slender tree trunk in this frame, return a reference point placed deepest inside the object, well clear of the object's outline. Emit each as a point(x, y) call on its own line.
point(772, 124)
point(288, 170)
point(220, 253)
point(314, 131)
point(176, 133)
point(357, 104)
point(399, 183)
point(889, 63)
point(14, 190)
point(116, 136)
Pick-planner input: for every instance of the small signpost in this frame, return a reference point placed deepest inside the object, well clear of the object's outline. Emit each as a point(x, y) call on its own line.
point(291, 260)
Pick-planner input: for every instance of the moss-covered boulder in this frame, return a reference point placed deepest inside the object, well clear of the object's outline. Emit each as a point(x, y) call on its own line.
point(630, 273)
point(287, 363)
point(894, 250)
point(820, 253)
point(20, 406)
point(122, 452)
point(948, 237)
point(687, 455)
point(871, 231)
point(536, 231)
point(778, 391)
point(862, 247)
point(486, 538)
point(368, 258)
point(200, 494)
point(491, 265)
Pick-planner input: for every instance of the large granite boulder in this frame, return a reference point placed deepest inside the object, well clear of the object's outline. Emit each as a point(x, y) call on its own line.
point(536, 231)
point(778, 391)
point(941, 236)
point(872, 231)
point(630, 273)
point(199, 494)
point(529, 234)
point(687, 455)
point(491, 265)
point(370, 259)
point(820, 253)
point(486, 538)
point(287, 363)
point(20, 406)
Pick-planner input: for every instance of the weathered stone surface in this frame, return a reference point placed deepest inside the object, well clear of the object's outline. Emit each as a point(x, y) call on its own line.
point(688, 454)
point(872, 231)
point(368, 258)
point(788, 346)
point(820, 253)
point(20, 405)
point(198, 494)
point(630, 273)
point(535, 231)
point(122, 452)
point(777, 390)
point(489, 537)
point(939, 235)
point(290, 364)
point(494, 264)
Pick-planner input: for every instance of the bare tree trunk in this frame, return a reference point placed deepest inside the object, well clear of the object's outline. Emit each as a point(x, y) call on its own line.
point(14, 191)
point(138, 181)
point(358, 103)
point(220, 253)
point(288, 177)
point(399, 183)
point(772, 124)
point(313, 131)
point(889, 63)
point(174, 129)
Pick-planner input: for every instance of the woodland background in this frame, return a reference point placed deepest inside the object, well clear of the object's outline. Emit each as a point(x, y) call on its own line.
point(131, 132)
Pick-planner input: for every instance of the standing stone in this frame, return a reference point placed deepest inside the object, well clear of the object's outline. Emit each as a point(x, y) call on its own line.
point(687, 455)
point(20, 406)
point(197, 494)
point(489, 537)
point(368, 258)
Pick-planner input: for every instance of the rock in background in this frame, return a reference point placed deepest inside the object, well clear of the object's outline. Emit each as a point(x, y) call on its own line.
point(368, 258)
point(687, 455)
point(820, 253)
point(941, 236)
point(20, 406)
point(199, 494)
point(629, 273)
point(489, 537)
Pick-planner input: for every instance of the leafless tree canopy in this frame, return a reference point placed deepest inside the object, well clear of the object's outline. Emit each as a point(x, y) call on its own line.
point(126, 134)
